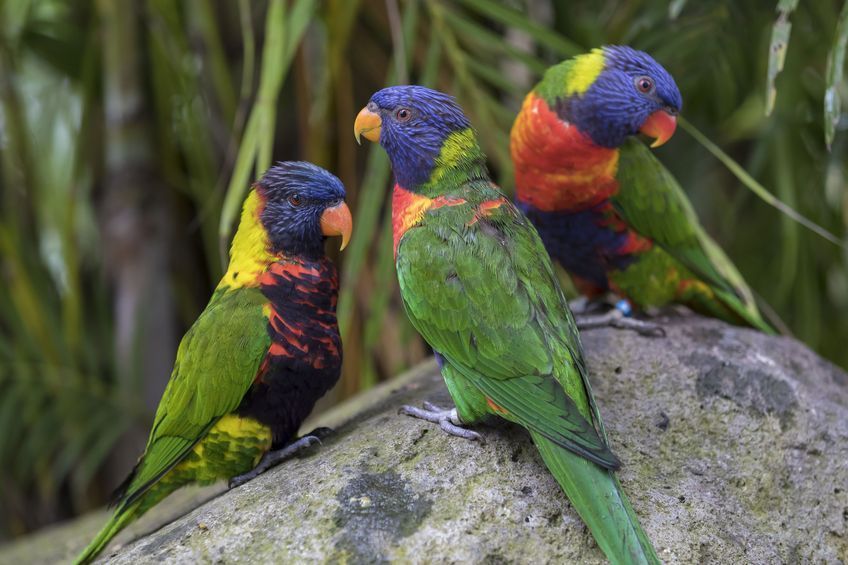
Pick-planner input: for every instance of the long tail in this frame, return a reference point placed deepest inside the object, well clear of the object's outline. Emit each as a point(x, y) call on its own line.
point(116, 523)
point(749, 315)
point(597, 496)
point(124, 515)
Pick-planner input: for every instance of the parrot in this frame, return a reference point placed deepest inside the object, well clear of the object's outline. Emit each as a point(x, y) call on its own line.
point(606, 208)
point(250, 369)
point(477, 284)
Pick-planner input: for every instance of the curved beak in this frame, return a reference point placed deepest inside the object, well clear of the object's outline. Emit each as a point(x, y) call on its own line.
point(367, 125)
point(337, 221)
point(660, 125)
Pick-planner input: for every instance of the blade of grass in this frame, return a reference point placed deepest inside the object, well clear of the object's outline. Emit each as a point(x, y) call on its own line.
point(398, 43)
point(384, 272)
point(283, 31)
point(755, 186)
point(777, 48)
point(468, 31)
point(513, 18)
point(202, 16)
point(675, 7)
point(494, 77)
point(275, 63)
point(835, 69)
point(785, 185)
point(369, 203)
point(491, 135)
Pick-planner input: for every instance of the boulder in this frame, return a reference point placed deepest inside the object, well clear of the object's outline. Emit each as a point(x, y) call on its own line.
point(735, 449)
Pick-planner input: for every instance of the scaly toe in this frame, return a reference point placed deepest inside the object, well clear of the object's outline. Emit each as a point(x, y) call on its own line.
point(448, 419)
point(647, 329)
point(454, 430)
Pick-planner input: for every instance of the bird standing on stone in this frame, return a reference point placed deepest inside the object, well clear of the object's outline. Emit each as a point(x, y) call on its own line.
point(477, 284)
point(607, 210)
point(264, 350)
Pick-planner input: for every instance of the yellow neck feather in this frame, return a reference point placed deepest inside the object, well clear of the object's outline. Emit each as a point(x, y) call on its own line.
point(249, 253)
point(584, 71)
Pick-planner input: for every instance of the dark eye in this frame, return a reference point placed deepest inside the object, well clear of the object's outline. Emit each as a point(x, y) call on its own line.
point(295, 200)
point(645, 84)
point(403, 114)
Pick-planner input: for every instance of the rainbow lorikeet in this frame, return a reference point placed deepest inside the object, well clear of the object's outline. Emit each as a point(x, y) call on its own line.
point(264, 350)
point(605, 207)
point(477, 284)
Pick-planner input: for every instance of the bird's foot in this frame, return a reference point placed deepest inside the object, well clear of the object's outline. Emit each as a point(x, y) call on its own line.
point(321, 433)
point(276, 457)
point(448, 420)
point(585, 306)
point(619, 317)
point(578, 305)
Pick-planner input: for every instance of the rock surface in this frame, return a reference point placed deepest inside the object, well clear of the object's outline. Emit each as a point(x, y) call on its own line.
point(735, 448)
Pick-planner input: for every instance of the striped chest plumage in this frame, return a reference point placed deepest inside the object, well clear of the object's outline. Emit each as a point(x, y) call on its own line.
point(564, 184)
point(305, 355)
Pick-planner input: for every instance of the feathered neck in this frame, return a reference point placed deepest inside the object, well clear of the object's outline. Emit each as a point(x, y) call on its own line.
point(250, 252)
point(460, 160)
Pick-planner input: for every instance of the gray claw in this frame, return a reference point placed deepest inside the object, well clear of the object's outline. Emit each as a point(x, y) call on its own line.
point(616, 319)
point(454, 430)
point(448, 419)
point(273, 458)
point(433, 408)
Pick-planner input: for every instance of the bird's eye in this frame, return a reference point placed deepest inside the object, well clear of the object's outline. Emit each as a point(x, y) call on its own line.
point(403, 114)
point(645, 84)
point(295, 200)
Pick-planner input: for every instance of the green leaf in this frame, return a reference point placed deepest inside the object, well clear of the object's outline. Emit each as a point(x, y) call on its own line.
point(370, 202)
point(777, 48)
point(835, 69)
point(675, 7)
point(283, 32)
point(513, 18)
point(754, 186)
point(470, 31)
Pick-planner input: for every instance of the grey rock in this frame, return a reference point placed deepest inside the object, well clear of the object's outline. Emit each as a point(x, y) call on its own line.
point(735, 450)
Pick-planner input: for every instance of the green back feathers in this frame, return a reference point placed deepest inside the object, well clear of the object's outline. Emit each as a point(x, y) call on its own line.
point(481, 290)
point(216, 363)
point(652, 203)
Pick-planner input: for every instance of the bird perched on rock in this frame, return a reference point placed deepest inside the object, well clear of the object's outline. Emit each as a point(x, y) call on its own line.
point(477, 284)
point(607, 210)
point(264, 350)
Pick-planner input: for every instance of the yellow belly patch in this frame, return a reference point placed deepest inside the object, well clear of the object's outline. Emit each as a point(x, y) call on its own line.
point(233, 446)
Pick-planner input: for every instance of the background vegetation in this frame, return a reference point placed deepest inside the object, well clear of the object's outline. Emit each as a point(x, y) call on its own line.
point(131, 129)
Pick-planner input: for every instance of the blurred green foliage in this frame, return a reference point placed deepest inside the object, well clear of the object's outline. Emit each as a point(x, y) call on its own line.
point(131, 130)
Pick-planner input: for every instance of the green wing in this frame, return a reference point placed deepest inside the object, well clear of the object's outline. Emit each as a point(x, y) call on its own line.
point(653, 204)
point(484, 295)
point(217, 361)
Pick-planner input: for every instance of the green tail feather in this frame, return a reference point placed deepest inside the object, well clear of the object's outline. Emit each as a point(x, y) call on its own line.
point(123, 516)
point(116, 523)
point(728, 306)
point(597, 496)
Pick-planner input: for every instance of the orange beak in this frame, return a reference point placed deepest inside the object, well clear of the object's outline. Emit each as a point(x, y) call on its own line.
point(337, 221)
point(660, 125)
point(367, 125)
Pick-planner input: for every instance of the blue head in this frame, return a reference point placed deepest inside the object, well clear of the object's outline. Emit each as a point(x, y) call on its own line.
point(613, 93)
point(412, 124)
point(303, 204)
